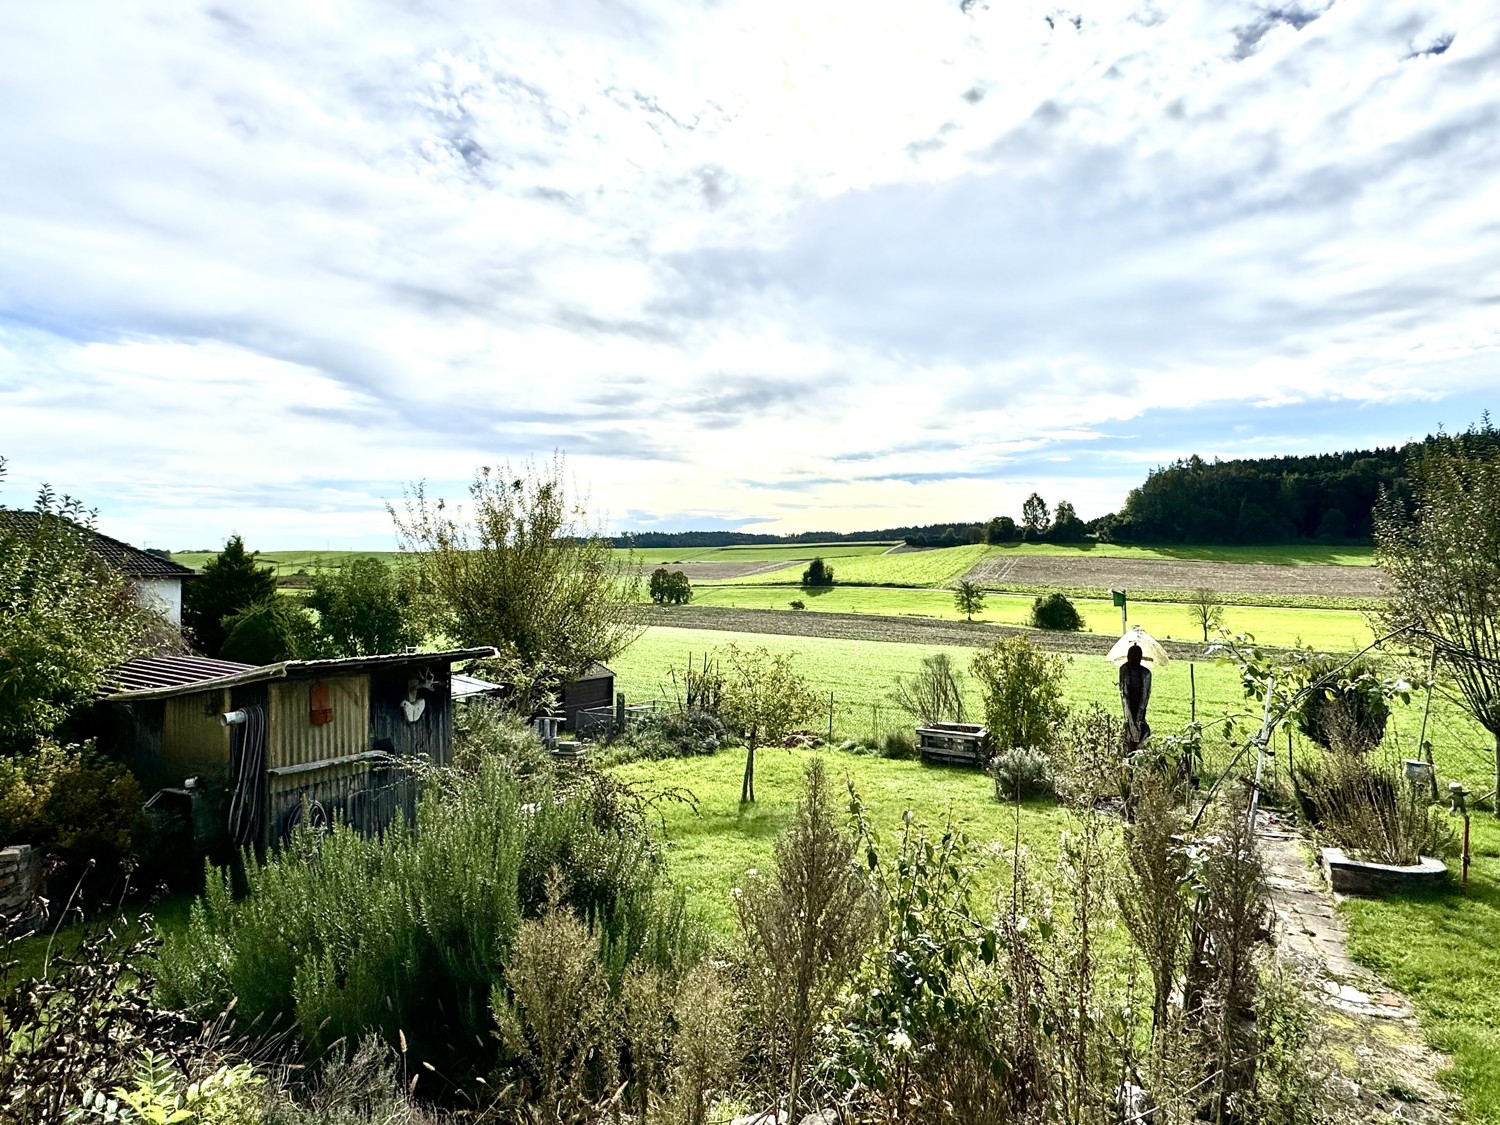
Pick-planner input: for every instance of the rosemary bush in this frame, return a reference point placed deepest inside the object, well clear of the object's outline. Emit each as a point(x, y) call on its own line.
point(407, 935)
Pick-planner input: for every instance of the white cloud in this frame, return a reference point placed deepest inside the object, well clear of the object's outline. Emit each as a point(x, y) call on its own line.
point(834, 266)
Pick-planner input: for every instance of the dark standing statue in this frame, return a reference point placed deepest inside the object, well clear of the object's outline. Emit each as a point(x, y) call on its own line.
point(1135, 694)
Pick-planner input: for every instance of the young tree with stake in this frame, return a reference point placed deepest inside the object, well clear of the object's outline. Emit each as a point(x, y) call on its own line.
point(765, 699)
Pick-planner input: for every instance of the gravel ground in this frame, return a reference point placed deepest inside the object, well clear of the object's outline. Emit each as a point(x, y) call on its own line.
point(1170, 574)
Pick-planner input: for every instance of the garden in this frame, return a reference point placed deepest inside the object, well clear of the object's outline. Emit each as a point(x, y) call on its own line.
point(757, 901)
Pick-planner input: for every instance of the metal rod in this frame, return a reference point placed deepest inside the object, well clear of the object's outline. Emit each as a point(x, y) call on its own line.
point(1261, 739)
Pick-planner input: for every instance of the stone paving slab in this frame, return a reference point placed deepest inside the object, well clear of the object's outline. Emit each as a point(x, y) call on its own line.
point(1376, 1036)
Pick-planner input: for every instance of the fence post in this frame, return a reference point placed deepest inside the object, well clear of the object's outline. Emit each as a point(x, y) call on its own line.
point(619, 712)
point(830, 716)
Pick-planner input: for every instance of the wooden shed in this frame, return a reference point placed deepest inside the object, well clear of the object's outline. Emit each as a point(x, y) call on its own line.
point(595, 688)
point(323, 738)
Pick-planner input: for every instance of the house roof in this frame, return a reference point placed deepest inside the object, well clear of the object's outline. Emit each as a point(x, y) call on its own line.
point(129, 561)
point(595, 672)
point(290, 670)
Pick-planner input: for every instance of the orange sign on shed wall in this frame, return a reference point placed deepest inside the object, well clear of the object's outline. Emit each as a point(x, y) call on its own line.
point(319, 707)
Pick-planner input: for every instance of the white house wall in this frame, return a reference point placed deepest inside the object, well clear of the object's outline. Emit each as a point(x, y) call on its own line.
point(164, 595)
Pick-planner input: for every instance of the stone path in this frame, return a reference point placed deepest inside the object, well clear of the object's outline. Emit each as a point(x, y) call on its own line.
point(1374, 1033)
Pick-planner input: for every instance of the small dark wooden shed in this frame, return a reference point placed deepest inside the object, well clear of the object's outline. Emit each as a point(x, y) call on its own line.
point(595, 688)
point(337, 737)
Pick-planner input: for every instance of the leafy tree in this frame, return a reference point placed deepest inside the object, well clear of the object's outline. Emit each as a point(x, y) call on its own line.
point(523, 570)
point(1023, 692)
point(1055, 611)
point(1207, 608)
point(1035, 518)
point(65, 618)
point(968, 598)
point(670, 587)
point(270, 632)
point(818, 573)
point(1066, 526)
point(1000, 529)
point(230, 582)
point(765, 699)
point(1443, 566)
point(364, 608)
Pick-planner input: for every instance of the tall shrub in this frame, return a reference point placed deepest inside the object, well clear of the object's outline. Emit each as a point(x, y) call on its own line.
point(1055, 611)
point(1023, 692)
point(231, 582)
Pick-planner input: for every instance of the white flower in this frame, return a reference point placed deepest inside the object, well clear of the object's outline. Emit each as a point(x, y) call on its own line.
point(900, 1041)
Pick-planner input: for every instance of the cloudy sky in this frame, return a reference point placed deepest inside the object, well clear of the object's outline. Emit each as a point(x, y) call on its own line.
point(777, 264)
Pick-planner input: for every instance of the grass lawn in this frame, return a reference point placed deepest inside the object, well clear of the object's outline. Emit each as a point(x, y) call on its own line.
point(29, 955)
point(711, 850)
point(1334, 629)
point(859, 674)
point(1443, 950)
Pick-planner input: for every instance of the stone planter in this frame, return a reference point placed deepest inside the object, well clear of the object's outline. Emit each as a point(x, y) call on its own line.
point(20, 891)
point(1356, 877)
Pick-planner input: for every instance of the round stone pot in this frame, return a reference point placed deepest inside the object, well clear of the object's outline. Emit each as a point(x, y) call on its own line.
point(1356, 877)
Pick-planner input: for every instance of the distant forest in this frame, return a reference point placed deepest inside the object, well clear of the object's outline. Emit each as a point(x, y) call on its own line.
point(1328, 497)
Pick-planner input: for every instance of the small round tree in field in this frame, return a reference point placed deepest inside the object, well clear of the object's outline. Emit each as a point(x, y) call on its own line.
point(1055, 612)
point(818, 573)
point(1023, 692)
point(670, 587)
point(968, 599)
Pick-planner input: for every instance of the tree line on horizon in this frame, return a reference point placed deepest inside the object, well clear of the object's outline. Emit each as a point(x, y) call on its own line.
point(1315, 498)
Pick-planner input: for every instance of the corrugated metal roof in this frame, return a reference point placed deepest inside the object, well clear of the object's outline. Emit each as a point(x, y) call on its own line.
point(149, 672)
point(302, 669)
point(130, 561)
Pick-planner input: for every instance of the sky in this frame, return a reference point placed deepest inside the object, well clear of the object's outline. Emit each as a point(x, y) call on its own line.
point(771, 264)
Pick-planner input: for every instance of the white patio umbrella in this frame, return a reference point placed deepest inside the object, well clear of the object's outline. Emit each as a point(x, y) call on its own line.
point(1152, 652)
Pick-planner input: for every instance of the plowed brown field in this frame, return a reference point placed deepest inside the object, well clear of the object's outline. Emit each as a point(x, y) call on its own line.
point(868, 627)
point(1172, 575)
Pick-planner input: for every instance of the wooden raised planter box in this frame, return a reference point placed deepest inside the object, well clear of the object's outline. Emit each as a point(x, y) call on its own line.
point(1356, 877)
point(961, 743)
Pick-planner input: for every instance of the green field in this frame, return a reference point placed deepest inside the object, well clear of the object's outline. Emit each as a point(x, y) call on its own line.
point(287, 563)
point(906, 568)
point(1335, 629)
point(756, 552)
